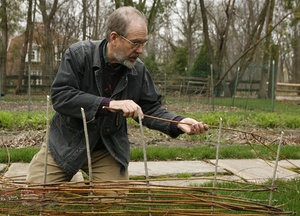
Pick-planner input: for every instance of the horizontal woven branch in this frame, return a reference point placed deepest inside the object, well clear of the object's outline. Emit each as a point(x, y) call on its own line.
point(133, 197)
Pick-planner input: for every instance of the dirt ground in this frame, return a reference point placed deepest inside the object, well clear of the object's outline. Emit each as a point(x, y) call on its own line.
point(18, 139)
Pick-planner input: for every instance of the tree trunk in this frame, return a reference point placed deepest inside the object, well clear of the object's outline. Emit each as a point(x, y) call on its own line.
point(84, 21)
point(296, 58)
point(222, 46)
point(250, 46)
point(27, 35)
point(263, 86)
point(207, 41)
point(4, 44)
point(221, 50)
point(295, 75)
point(96, 27)
point(47, 45)
point(189, 31)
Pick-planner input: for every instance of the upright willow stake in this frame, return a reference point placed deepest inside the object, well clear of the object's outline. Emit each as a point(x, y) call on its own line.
point(275, 169)
point(145, 157)
point(47, 144)
point(217, 156)
point(88, 152)
point(217, 153)
point(47, 140)
point(212, 87)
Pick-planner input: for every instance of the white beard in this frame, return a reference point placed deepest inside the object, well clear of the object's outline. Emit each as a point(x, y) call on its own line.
point(122, 60)
point(128, 64)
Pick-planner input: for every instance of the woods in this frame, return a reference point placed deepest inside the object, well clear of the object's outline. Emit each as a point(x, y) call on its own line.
point(186, 38)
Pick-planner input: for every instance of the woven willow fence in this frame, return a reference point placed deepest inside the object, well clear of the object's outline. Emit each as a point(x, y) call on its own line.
point(129, 198)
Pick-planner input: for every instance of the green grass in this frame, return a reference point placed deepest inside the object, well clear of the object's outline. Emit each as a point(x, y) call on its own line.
point(242, 119)
point(207, 152)
point(173, 153)
point(285, 194)
point(13, 97)
point(22, 120)
point(250, 104)
point(286, 114)
point(14, 155)
point(288, 107)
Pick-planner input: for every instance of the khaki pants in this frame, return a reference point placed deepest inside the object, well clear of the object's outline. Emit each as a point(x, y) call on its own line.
point(104, 167)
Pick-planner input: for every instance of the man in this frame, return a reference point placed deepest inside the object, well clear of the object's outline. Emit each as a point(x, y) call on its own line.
point(94, 75)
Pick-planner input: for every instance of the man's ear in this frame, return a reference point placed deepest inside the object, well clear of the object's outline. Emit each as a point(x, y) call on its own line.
point(113, 37)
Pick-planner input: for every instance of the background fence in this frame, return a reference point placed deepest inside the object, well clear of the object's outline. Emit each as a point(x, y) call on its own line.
point(180, 85)
point(191, 88)
point(169, 85)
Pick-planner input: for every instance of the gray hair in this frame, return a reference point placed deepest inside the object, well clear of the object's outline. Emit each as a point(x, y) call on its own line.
point(120, 19)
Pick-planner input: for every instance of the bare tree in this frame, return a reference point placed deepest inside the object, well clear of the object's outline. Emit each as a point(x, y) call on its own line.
point(84, 21)
point(250, 45)
point(95, 34)
point(4, 44)
point(295, 74)
point(96, 15)
point(189, 27)
point(48, 11)
point(27, 38)
point(287, 38)
point(67, 29)
point(222, 31)
point(263, 87)
point(119, 3)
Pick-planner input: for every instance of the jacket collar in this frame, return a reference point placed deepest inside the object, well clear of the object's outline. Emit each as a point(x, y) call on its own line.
point(104, 52)
point(97, 55)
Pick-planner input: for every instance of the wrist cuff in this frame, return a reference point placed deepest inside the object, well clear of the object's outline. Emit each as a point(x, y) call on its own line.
point(101, 111)
point(174, 130)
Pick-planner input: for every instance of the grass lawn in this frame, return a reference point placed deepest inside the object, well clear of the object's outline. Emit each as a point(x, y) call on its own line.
point(173, 153)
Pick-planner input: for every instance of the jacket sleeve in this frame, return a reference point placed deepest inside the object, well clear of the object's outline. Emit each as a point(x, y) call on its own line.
point(72, 86)
point(150, 101)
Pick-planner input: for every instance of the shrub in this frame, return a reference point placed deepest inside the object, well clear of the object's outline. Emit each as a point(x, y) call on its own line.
point(6, 119)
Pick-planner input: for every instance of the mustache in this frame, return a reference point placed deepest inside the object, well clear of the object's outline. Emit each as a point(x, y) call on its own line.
point(134, 55)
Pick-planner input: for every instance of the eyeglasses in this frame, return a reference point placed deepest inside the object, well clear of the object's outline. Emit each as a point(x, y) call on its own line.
point(134, 45)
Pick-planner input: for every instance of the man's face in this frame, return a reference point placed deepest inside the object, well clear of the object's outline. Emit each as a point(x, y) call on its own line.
point(130, 47)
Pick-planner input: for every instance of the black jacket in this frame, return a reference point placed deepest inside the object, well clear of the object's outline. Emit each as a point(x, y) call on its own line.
point(78, 85)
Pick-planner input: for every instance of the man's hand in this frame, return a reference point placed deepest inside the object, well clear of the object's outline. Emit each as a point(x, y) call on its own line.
point(191, 126)
point(128, 107)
